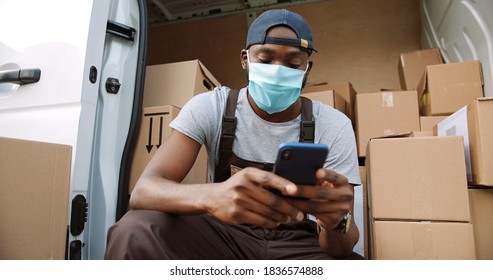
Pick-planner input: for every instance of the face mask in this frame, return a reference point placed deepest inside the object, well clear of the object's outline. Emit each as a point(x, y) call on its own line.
point(274, 87)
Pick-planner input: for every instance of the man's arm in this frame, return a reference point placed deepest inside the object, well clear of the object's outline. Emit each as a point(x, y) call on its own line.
point(156, 189)
point(243, 198)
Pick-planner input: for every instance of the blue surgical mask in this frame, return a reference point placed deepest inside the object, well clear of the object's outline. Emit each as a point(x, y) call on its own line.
point(274, 87)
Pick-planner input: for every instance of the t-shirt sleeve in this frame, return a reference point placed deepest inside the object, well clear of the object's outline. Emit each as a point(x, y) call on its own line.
point(199, 118)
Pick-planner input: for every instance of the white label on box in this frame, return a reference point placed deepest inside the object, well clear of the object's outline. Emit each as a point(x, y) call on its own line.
point(387, 99)
point(456, 125)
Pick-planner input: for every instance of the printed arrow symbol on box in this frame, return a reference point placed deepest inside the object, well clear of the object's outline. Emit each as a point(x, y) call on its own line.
point(160, 132)
point(149, 146)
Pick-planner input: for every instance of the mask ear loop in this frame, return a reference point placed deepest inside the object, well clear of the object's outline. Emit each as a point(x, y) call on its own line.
point(248, 56)
point(307, 65)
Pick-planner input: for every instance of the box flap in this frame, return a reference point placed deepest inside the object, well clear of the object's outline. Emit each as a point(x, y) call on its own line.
point(208, 77)
point(398, 135)
point(422, 85)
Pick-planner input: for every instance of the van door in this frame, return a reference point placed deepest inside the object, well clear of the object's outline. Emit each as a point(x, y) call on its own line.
point(72, 72)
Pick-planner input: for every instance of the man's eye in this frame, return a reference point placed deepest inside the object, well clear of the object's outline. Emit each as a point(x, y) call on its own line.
point(264, 60)
point(294, 66)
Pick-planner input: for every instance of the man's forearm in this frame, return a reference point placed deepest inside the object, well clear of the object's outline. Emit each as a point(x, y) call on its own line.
point(337, 244)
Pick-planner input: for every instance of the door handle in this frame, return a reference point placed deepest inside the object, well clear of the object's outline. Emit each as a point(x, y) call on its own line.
point(20, 76)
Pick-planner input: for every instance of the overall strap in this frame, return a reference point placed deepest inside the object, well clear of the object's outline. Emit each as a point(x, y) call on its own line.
point(228, 128)
point(307, 125)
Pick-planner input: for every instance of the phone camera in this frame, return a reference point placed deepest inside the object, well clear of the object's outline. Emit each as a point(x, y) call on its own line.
point(286, 155)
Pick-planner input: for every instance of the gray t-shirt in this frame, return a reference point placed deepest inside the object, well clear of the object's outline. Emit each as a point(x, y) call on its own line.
point(258, 140)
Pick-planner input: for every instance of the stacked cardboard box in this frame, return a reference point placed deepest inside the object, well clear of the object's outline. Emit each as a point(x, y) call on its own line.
point(480, 129)
point(412, 65)
point(34, 196)
point(427, 123)
point(442, 90)
point(154, 130)
point(384, 113)
point(167, 88)
point(346, 90)
point(481, 201)
point(474, 123)
point(175, 83)
point(320, 91)
point(326, 95)
point(418, 200)
point(445, 88)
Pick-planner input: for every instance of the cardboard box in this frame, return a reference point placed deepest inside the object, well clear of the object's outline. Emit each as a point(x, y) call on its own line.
point(473, 123)
point(397, 240)
point(481, 201)
point(154, 130)
point(422, 133)
point(365, 231)
point(417, 178)
point(384, 113)
point(412, 66)
point(480, 130)
point(428, 122)
point(327, 96)
point(34, 197)
point(175, 83)
point(346, 90)
point(445, 88)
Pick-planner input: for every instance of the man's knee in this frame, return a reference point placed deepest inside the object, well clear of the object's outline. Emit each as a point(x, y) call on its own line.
point(138, 232)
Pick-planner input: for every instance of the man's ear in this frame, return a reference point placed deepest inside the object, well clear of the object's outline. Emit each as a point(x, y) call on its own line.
point(243, 59)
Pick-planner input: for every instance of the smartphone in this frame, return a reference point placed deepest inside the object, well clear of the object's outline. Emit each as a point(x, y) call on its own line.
point(298, 162)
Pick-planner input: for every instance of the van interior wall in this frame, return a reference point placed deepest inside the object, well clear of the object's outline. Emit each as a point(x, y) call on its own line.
point(358, 41)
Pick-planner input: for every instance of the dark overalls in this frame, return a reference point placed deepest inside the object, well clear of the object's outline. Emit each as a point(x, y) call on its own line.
point(228, 161)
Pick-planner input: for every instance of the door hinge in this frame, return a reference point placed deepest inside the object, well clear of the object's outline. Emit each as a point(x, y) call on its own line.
point(120, 30)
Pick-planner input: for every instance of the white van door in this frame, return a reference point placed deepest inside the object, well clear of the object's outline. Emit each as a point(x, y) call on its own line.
point(72, 72)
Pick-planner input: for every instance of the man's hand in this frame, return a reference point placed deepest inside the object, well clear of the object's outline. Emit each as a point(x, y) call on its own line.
point(328, 201)
point(245, 199)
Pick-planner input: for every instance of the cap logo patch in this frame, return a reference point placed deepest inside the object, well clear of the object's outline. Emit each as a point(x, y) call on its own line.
point(304, 43)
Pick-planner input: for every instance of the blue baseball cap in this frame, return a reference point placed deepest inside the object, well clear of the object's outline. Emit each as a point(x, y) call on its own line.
point(257, 33)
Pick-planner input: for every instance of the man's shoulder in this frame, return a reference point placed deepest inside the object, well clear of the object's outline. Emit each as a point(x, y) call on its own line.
point(208, 98)
point(218, 95)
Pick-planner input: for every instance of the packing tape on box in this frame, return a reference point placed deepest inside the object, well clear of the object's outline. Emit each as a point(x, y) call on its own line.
point(403, 62)
point(426, 99)
point(387, 99)
point(389, 131)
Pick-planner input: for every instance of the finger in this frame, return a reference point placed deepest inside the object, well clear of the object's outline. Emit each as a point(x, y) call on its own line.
point(271, 180)
point(325, 193)
point(277, 205)
point(315, 207)
point(269, 209)
point(246, 216)
point(332, 177)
